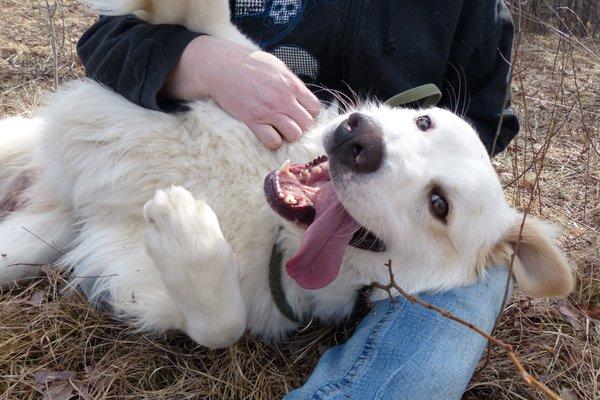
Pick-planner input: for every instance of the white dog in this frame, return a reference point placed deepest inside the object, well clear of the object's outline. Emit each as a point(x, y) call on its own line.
point(176, 215)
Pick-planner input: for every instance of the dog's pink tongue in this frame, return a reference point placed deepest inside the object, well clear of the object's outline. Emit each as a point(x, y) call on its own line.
point(319, 259)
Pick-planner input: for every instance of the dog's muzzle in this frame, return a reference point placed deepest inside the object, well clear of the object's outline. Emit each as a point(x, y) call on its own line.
point(357, 144)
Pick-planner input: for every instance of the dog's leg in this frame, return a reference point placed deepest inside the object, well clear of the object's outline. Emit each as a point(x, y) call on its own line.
point(211, 17)
point(196, 265)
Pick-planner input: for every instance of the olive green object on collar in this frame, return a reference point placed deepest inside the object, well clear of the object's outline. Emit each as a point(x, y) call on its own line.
point(428, 96)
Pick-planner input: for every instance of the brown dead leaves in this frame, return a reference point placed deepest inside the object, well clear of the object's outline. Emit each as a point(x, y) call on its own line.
point(61, 385)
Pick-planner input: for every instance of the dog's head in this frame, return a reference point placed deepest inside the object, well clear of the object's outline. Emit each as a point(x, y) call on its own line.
point(416, 186)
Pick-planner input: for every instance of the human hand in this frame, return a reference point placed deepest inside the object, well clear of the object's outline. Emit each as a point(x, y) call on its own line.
point(253, 86)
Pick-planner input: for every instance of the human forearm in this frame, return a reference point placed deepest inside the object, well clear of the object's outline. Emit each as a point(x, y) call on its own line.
point(253, 86)
point(133, 57)
point(158, 65)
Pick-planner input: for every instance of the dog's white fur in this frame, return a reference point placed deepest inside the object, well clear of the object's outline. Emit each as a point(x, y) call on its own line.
point(196, 259)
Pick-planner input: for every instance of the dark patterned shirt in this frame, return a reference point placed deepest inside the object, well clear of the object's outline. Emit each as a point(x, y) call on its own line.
point(374, 48)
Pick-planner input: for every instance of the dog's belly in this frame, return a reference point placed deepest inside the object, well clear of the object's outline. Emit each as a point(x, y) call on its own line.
point(105, 155)
point(106, 158)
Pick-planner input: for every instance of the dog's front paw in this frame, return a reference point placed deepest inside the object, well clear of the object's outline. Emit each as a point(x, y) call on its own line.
point(196, 264)
point(182, 230)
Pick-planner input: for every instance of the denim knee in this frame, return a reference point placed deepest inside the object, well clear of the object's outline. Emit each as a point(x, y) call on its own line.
point(404, 351)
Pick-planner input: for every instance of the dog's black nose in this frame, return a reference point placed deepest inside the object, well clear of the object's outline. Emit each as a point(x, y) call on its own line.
point(358, 144)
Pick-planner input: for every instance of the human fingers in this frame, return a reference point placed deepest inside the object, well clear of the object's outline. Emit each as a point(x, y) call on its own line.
point(287, 127)
point(300, 115)
point(267, 135)
point(307, 99)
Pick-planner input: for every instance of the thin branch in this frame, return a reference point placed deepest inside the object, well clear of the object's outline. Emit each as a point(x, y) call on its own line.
point(25, 265)
point(43, 241)
point(51, 10)
point(93, 276)
point(527, 377)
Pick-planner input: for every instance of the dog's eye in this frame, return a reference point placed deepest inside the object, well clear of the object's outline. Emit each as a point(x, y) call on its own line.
point(423, 123)
point(439, 205)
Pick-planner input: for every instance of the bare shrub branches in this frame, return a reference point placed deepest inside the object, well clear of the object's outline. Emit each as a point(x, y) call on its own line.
point(527, 377)
point(577, 17)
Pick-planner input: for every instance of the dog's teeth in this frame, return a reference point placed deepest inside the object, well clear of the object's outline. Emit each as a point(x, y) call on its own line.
point(286, 167)
point(290, 199)
point(317, 170)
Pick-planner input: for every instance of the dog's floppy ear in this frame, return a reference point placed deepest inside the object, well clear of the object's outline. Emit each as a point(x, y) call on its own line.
point(540, 268)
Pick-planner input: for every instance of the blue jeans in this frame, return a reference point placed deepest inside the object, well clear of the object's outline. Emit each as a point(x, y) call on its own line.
point(405, 351)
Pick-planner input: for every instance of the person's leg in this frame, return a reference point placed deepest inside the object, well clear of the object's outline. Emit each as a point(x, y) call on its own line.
point(409, 352)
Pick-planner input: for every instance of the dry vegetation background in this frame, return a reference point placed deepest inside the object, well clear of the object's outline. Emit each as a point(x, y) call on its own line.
point(52, 344)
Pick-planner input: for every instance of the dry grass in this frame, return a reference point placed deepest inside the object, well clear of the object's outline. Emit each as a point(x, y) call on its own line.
point(557, 95)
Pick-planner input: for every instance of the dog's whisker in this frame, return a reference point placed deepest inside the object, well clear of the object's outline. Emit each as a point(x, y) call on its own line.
point(451, 94)
point(467, 102)
point(458, 93)
point(343, 99)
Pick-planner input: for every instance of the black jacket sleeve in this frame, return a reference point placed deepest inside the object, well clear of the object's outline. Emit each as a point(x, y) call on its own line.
point(478, 71)
point(133, 57)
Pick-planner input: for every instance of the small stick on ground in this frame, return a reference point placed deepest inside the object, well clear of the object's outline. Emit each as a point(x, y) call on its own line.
point(527, 377)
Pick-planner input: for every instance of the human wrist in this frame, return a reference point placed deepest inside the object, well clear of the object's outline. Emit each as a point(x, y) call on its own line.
point(191, 78)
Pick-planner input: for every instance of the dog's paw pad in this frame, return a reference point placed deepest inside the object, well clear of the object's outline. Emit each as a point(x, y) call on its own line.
point(181, 228)
point(168, 205)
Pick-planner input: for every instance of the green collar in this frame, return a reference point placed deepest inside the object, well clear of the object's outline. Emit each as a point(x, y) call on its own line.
point(278, 293)
point(429, 95)
point(276, 285)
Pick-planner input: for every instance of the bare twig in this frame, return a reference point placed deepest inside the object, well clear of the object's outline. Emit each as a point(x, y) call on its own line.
point(51, 10)
point(527, 377)
point(44, 241)
point(24, 265)
point(92, 276)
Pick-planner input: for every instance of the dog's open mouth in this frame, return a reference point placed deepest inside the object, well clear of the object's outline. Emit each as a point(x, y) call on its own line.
point(304, 194)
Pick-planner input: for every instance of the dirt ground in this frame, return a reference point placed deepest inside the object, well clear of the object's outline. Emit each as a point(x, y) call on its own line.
point(53, 344)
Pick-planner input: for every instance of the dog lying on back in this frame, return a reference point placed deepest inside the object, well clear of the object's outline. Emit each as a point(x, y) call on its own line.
point(177, 214)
